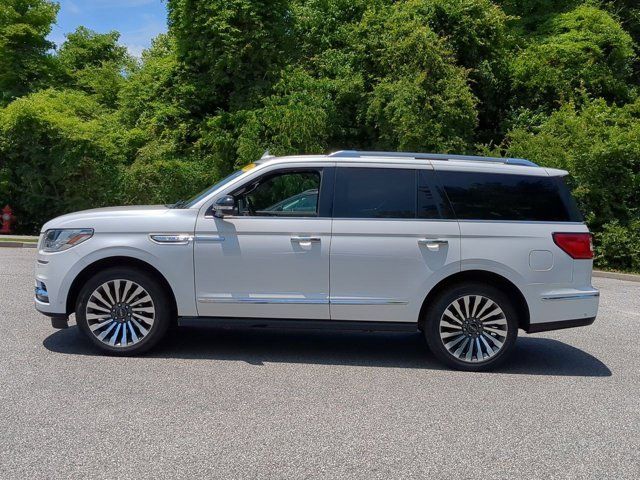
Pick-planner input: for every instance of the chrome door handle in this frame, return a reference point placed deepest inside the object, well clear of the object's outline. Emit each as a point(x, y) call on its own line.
point(298, 239)
point(433, 243)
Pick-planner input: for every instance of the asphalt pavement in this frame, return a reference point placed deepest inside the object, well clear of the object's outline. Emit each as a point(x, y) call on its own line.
point(213, 403)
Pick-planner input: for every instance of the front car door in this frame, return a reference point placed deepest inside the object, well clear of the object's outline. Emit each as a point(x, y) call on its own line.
point(270, 258)
point(393, 239)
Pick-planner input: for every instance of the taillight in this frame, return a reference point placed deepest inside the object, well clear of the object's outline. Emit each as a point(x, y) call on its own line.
point(576, 245)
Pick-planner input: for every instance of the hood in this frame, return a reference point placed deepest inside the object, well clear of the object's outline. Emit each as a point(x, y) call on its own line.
point(130, 219)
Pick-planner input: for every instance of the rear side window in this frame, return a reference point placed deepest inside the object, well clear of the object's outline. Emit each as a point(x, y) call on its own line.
point(432, 203)
point(491, 196)
point(375, 193)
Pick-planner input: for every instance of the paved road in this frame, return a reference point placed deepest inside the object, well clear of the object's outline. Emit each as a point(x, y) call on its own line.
point(266, 404)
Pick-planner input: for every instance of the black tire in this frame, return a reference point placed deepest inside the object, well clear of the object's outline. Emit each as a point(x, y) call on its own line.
point(433, 328)
point(162, 315)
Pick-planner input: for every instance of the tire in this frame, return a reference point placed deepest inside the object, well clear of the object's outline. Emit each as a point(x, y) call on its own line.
point(485, 319)
point(123, 311)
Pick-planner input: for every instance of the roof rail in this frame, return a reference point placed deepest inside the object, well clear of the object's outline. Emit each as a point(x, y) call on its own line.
point(433, 156)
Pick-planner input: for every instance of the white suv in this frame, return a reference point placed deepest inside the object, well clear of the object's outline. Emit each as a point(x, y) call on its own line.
point(465, 249)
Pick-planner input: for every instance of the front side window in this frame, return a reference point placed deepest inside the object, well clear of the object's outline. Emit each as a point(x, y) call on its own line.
point(375, 193)
point(293, 194)
point(494, 196)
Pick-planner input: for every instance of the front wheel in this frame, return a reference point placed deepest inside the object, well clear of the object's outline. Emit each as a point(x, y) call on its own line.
point(123, 311)
point(471, 327)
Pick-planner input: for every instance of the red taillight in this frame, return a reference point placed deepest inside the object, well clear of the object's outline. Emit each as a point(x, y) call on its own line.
point(576, 245)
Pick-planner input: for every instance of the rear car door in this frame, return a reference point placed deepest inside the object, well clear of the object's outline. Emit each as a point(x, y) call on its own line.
point(393, 239)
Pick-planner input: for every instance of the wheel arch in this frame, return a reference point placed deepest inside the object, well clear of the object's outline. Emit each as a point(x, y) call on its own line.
point(117, 261)
point(491, 278)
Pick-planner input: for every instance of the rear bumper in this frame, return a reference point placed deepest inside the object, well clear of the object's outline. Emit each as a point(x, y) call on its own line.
point(547, 326)
point(552, 309)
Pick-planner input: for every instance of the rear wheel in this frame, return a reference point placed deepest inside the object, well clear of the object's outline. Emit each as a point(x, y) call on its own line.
point(123, 311)
point(471, 327)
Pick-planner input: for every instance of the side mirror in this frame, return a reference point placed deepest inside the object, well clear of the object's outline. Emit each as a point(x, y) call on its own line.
point(224, 206)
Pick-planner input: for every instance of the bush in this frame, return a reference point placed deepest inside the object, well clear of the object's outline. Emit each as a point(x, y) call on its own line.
point(599, 144)
point(164, 181)
point(618, 246)
point(60, 153)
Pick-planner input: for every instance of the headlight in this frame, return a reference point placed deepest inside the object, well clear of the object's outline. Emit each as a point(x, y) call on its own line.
point(61, 239)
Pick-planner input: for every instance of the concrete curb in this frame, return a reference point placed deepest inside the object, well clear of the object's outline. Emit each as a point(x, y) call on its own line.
point(18, 244)
point(630, 277)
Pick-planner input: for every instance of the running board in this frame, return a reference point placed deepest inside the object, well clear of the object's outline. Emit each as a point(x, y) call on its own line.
point(298, 324)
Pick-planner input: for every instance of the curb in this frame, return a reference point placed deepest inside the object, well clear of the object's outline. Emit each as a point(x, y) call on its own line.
point(630, 277)
point(18, 244)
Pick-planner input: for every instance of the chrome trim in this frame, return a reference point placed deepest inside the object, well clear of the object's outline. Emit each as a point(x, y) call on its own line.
point(367, 301)
point(304, 301)
point(303, 239)
point(577, 296)
point(171, 238)
point(204, 238)
point(263, 301)
point(433, 244)
point(431, 156)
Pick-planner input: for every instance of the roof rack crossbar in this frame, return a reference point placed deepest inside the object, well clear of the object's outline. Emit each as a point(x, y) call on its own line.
point(433, 156)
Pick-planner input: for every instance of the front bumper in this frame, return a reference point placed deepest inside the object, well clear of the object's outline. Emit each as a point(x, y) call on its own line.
point(52, 281)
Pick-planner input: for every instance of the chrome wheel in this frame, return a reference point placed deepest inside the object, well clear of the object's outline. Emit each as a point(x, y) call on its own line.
point(473, 328)
point(120, 313)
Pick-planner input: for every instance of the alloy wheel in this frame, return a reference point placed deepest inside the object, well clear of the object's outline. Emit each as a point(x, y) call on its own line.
point(473, 328)
point(120, 313)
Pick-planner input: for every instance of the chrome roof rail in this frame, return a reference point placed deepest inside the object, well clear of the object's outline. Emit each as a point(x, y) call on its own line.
point(432, 156)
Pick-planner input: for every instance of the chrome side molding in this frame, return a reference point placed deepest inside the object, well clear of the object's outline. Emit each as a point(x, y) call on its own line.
point(171, 238)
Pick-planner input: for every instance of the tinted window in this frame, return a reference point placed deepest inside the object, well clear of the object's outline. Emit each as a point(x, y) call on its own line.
point(375, 193)
point(489, 196)
point(432, 202)
point(283, 194)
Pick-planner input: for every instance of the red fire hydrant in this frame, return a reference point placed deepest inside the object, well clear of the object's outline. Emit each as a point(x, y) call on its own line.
point(7, 219)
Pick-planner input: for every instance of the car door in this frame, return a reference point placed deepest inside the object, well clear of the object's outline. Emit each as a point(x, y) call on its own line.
point(270, 258)
point(393, 239)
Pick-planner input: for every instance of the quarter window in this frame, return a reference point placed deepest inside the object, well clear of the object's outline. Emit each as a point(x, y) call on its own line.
point(491, 196)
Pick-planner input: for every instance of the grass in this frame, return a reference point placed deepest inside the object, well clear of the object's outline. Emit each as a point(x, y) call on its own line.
point(9, 238)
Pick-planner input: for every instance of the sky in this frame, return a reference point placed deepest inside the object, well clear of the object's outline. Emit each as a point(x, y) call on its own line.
point(138, 21)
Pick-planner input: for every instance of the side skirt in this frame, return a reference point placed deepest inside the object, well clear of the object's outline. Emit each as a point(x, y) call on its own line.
point(298, 324)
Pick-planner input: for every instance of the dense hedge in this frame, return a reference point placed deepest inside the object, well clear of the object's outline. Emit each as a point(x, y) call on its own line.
point(556, 82)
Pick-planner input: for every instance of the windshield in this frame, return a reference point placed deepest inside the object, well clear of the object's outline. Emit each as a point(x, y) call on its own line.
point(196, 198)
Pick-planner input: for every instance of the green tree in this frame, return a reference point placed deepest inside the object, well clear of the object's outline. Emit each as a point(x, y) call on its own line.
point(94, 62)
point(584, 50)
point(25, 62)
point(420, 99)
point(230, 50)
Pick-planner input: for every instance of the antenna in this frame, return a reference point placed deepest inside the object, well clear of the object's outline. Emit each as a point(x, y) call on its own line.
point(266, 155)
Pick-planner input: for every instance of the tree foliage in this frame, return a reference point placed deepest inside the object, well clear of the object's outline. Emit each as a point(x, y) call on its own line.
point(25, 64)
point(60, 153)
point(556, 82)
point(584, 50)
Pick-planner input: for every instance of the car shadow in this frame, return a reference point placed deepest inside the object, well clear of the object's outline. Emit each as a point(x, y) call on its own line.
point(532, 355)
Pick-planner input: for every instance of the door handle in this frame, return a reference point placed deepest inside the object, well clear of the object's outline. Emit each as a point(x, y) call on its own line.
point(433, 244)
point(298, 239)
